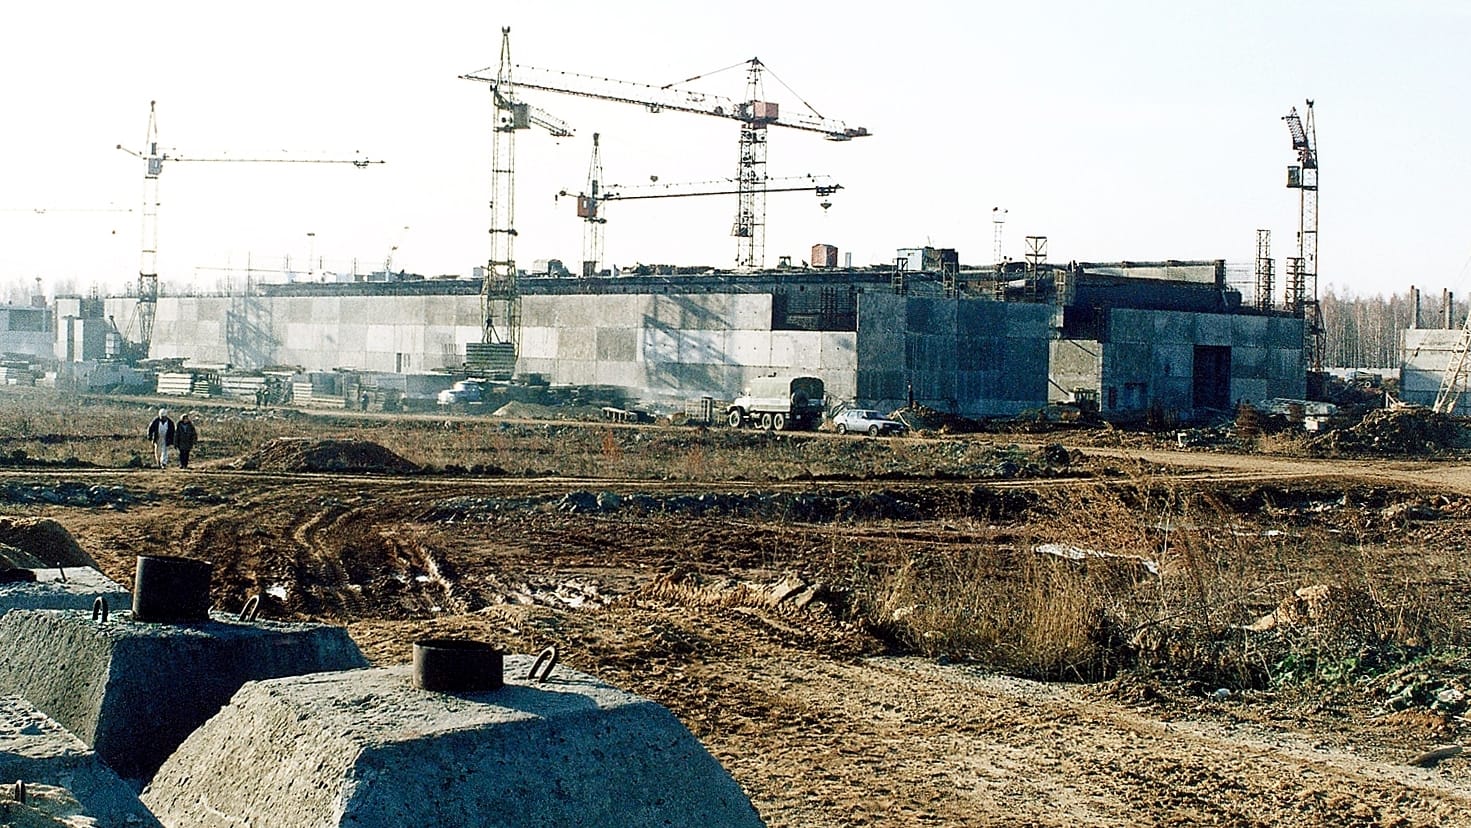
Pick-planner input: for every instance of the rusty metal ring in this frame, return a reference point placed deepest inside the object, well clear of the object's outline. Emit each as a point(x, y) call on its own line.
point(251, 610)
point(549, 656)
point(99, 610)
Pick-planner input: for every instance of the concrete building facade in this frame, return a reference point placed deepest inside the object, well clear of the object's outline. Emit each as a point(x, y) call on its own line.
point(1183, 345)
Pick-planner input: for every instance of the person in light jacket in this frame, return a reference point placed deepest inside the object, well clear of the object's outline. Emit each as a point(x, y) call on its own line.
point(185, 436)
point(161, 434)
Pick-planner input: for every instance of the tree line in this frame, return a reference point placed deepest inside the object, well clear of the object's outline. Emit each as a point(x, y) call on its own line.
point(1364, 331)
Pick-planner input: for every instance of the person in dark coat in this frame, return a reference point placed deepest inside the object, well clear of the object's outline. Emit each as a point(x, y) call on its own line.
point(184, 437)
point(161, 435)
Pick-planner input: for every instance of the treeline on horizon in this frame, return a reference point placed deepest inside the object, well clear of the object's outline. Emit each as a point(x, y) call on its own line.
point(1364, 331)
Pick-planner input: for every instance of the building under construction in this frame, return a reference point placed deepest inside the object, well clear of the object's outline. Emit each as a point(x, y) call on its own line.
point(1169, 337)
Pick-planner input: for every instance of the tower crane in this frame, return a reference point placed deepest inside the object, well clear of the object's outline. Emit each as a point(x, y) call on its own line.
point(153, 158)
point(589, 209)
point(754, 114)
point(1302, 271)
point(590, 202)
point(499, 294)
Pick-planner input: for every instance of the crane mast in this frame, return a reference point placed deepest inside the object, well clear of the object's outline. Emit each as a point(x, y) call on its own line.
point(1302, 271)
point(499, 294)
point(754, 114)
point(153, 158)
point(589, 206)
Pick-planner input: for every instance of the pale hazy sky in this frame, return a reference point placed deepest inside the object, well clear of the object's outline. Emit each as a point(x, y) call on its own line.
point(1119, 130)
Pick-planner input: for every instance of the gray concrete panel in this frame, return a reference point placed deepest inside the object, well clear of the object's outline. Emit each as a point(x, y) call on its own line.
point(540, 343)
point(750, 347)
point(1129, 327)
point(1172, 326)
point(750, 312)
point(1173, 360)
point(839, 350)
point(1249, 330)
point(1248, 362)
point(1212, 329)
point(1024, 321)
point(578, 344)
point(617, 344)
point(1252, 390)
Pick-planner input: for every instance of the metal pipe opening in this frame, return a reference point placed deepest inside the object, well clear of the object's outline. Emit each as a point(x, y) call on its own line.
point(457, 665)
point(171, 589)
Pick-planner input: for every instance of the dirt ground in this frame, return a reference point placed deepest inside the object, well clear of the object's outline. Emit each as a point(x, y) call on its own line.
point(678, 574)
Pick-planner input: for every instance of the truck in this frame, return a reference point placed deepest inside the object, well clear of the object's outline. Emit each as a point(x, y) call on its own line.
point(779, 402)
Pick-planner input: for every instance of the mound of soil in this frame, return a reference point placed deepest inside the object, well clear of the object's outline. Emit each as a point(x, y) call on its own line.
point(1395, 431)
point(298, 454)
point(39, 543)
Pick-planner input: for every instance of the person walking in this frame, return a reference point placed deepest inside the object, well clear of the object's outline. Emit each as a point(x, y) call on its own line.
point(161, 434)
point(184, 437)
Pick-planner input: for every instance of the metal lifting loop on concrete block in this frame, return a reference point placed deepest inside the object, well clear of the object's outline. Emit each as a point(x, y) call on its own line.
point(61, 570)
point(549, 655)
point(20, 791)
point(251, 610)
point(99, 610)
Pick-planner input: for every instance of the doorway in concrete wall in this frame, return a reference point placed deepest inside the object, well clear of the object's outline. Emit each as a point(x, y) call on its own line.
point(1211, 385)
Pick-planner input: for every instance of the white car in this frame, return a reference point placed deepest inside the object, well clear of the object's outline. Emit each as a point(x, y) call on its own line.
point(866, 421)
point(464, 391)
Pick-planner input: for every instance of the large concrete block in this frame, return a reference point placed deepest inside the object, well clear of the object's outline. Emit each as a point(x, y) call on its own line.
point(704, 347)
point(750, 347)
point(1212, 329)
point(1172, 326)
point(618, 344)
point(1130, 327)
point(1251, 389)
point(838, 351)
point(133, 691)
point(75, 588)
point(367, 749)
point(1248, 362)
point(750, 312)
point(657, 345)
point(1248, 330)
point(38, 751)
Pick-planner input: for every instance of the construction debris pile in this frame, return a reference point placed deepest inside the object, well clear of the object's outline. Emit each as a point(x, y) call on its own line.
point(1410, 430)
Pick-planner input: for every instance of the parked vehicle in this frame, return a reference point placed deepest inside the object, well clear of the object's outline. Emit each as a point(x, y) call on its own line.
point(463, 391)
point(866, 421)
point(778, 403)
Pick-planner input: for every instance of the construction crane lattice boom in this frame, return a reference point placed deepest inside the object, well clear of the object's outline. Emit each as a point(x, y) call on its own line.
point(154, 157)
point(755, 115)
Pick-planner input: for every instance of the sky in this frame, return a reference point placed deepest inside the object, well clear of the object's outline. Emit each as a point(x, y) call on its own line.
point(1125, 130)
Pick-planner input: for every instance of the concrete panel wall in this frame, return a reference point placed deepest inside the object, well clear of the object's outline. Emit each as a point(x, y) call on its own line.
point(969, 356)
point(1075, 363)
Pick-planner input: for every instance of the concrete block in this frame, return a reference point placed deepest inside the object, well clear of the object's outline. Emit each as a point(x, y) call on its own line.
point(1172, 326)
point(367, 749)
point(1248, 330)
point(657, 346)
point(1251, 389)
point(538, 343)
point(1248, 362)
point(34, 748)
point(80, 589)
point(133, 691)
point(1025, 321)
point(1130, 327)
point(750, 312)
point(750, 347)
point(837, 352)
point(1212, 329)
point(578, 343)
point(703, 347)
point(617, 344)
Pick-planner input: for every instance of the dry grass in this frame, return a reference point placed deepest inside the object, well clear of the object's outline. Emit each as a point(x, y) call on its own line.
point(1044, 616)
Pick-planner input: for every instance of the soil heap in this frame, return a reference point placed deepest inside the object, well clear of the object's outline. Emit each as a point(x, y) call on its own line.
point(299, 454)
point(39, 543)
